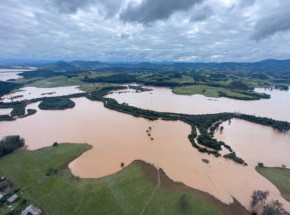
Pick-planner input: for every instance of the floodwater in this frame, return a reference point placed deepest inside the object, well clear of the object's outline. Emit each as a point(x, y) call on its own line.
point(6, 74)
point(162, 99)
point(35, 92)
point(5, 111)
point(118, 137)
point(256, 143)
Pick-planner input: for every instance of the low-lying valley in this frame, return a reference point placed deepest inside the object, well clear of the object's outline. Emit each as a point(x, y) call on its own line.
point(145, 139)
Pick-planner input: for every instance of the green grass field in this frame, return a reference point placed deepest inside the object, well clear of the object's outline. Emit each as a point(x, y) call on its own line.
point(126, 192)
point(280, 177)
point(207, 91)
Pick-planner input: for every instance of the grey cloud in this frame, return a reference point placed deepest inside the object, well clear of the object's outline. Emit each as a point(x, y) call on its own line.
point(246, 3)
point(106, 7)
point(30, 30)
point(201, 13)
point(149, 11)
point(70, 6)
point(278, 20)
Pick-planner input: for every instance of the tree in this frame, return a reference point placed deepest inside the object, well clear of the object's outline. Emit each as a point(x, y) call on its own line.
point(260, 164)
point(258, 197)
point(55, 144)
point(10, 143)
point(274, 208)
point(183, 203)
point(258, 204)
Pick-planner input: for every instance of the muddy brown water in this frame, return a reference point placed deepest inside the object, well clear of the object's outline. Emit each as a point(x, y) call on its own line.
point(256, 143)
point(118, 137)
point(162, 99)
point(6, 74)
point(35, 92)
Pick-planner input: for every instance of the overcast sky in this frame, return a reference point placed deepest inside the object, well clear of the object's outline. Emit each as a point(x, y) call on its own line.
point(145, 30)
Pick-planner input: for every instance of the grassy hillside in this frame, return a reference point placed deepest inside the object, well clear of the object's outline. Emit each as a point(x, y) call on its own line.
point(280, 177)
point(215, 92)
point(46, 182)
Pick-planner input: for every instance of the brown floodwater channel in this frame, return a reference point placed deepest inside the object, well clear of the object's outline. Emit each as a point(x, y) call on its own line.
point(118, 137)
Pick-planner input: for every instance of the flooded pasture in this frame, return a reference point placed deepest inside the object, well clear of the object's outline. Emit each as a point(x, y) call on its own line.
point(35, 92)
point(256, 143)
point(8, 74)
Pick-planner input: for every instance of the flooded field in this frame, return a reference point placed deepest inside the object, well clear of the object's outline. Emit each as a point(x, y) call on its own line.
point(256, 143)
point(118, 138)
point(7, 74)
point(5, 111)
point(34, 92)
point(162, 99)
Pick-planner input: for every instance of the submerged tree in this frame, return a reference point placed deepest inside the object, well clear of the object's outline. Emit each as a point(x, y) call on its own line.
point(259, 197)
point(260, 206)
point(274, 208)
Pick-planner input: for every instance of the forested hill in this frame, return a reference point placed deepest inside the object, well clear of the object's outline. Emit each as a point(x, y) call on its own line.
point(270, 65)
point(265, 66)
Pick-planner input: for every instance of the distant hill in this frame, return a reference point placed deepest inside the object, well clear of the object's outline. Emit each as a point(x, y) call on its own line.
point(80, 63)
point(270, 65)
point(59, 65)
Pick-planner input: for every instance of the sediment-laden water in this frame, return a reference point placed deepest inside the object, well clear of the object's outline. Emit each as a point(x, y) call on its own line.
point(118, 137)
point(162, 99)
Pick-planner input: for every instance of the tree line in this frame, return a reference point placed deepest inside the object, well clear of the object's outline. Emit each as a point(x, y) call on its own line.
point(10, 143)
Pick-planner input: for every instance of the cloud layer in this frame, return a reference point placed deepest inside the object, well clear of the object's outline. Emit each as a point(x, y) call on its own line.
point(276, 21)
point(147, 30)
point(149, 11)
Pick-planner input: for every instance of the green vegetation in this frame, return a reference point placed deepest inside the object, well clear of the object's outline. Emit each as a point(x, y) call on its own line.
point(18, 110)
point(208, 141)
point(6, 118)
point(280, 177)
point(126, 192)
point(10, 143)
point(232, 80)
point(139, 89)
point(214, 80)
point(8, 190)
point(260, 204)
point(115, 78)
point(212, 92)
point(233, 156)
point(7, 87)
point(99, 94)
point(56, 103)
point(30, 112)
point(276, 124)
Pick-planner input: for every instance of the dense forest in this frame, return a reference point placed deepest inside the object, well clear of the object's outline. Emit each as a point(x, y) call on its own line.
point(56, 103)
point(6, 87)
